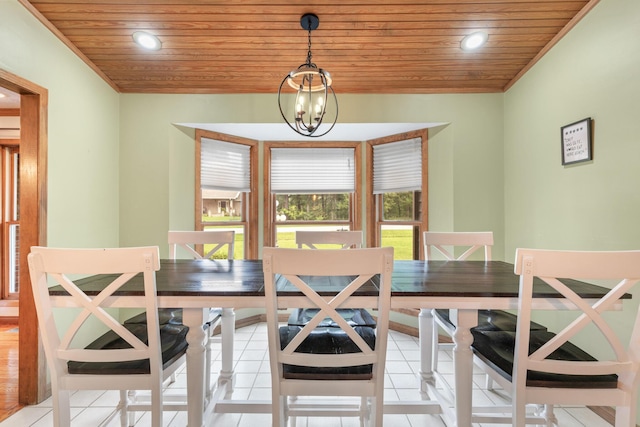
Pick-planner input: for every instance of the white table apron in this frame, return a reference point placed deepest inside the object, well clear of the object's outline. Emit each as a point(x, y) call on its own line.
point(195, 312)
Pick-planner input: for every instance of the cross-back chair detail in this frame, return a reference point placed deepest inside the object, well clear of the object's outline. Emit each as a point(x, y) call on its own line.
point(344, 239)
point(475, 241)
point(188, 240)
point(330, 240)
point(552, 266)
point(71, 363)
point(295, 268)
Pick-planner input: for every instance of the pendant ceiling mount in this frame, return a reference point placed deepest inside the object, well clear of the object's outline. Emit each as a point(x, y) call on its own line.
point(309, 21)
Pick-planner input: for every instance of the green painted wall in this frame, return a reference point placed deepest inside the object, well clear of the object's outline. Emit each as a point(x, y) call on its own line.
point(157, 158)
point(592, 72)
point(83, 126)
point(83, 142)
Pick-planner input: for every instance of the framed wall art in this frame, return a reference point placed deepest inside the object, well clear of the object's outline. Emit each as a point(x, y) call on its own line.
point(576, 142)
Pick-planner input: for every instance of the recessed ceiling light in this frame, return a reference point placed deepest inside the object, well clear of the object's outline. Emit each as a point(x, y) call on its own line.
point(474, 40)
point(2, 95)
point(147, 41)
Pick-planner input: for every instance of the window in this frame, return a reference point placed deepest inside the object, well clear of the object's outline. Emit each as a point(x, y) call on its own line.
point(310, 186)
point(10, 222)
point(226, 182)
point(398, 176)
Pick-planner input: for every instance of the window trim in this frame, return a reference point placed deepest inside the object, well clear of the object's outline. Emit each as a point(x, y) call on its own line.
point(355, 222)
point(374, 217)
point(250, 200)
point(10, 268)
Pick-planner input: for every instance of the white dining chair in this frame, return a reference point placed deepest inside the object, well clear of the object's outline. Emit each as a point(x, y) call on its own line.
point(468, 243)
point(329, 239)
point(327, 362)
point(557, 371)
point(445, 243)
point(123, 358)
point(189, 242)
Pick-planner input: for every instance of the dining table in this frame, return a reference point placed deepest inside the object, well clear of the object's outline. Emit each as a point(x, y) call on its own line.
point(463, 287)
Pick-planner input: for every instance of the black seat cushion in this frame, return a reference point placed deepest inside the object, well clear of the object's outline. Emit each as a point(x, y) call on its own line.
point(327, 340)
point(354, 316)
point(496, 349)
point(491, 320)
point(173, 342)
point(166, 316)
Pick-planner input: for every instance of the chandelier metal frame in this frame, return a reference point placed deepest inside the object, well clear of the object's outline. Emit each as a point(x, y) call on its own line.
point(310, 82)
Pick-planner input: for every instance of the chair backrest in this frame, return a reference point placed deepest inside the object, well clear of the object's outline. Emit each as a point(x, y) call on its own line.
point(357, 267)
point(60, 267)
point(473, 240)
point(189, 239)
point(344, 239)
point(550, 266)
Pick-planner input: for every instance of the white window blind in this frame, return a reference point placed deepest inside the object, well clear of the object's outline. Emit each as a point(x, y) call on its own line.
point(312, 170)
point(397, 166)
point(224, 165)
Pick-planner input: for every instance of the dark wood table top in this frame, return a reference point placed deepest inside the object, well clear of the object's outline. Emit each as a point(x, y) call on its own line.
point(475, 279)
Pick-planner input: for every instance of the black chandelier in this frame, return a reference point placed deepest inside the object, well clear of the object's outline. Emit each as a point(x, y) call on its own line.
point(312, 86)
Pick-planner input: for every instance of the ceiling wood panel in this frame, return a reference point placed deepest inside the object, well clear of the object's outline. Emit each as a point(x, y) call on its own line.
point(373, 46)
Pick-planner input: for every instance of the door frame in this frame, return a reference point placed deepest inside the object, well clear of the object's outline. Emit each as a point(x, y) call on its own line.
point(34, 101)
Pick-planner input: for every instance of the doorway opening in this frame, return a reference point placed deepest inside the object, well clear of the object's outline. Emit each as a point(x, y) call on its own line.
point(28, 225)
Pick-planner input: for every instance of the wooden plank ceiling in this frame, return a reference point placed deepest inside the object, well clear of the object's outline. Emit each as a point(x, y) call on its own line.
point(372, 46)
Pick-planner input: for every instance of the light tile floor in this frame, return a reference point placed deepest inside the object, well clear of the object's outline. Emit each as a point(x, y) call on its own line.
point(90, 408)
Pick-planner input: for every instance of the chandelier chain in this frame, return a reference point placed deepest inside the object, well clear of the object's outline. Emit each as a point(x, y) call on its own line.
point(309, 48)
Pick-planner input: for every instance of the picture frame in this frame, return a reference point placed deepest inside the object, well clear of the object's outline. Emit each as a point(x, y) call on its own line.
point(576, 142)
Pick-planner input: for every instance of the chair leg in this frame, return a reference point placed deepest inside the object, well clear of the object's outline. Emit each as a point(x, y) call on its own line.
point(61, 408)
point(435, 345)
point(376, 412)
point(282, 412)
point(549, 416)
point(207, 364)
point(626, 415)
point(127, 397)
point(518, 410)
point(292, 421)
point(488, 383)
point(365, 411)
point(156, 404)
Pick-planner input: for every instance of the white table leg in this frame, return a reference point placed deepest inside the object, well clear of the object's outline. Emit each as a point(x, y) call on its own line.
point(227, 326)
point(425, 333)
point(194, 318)
point(463, 364)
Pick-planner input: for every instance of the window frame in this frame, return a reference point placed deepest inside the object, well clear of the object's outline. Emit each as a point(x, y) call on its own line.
point(10, 249)
point(249, 217)
point(375, 217)
point(355, 199)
